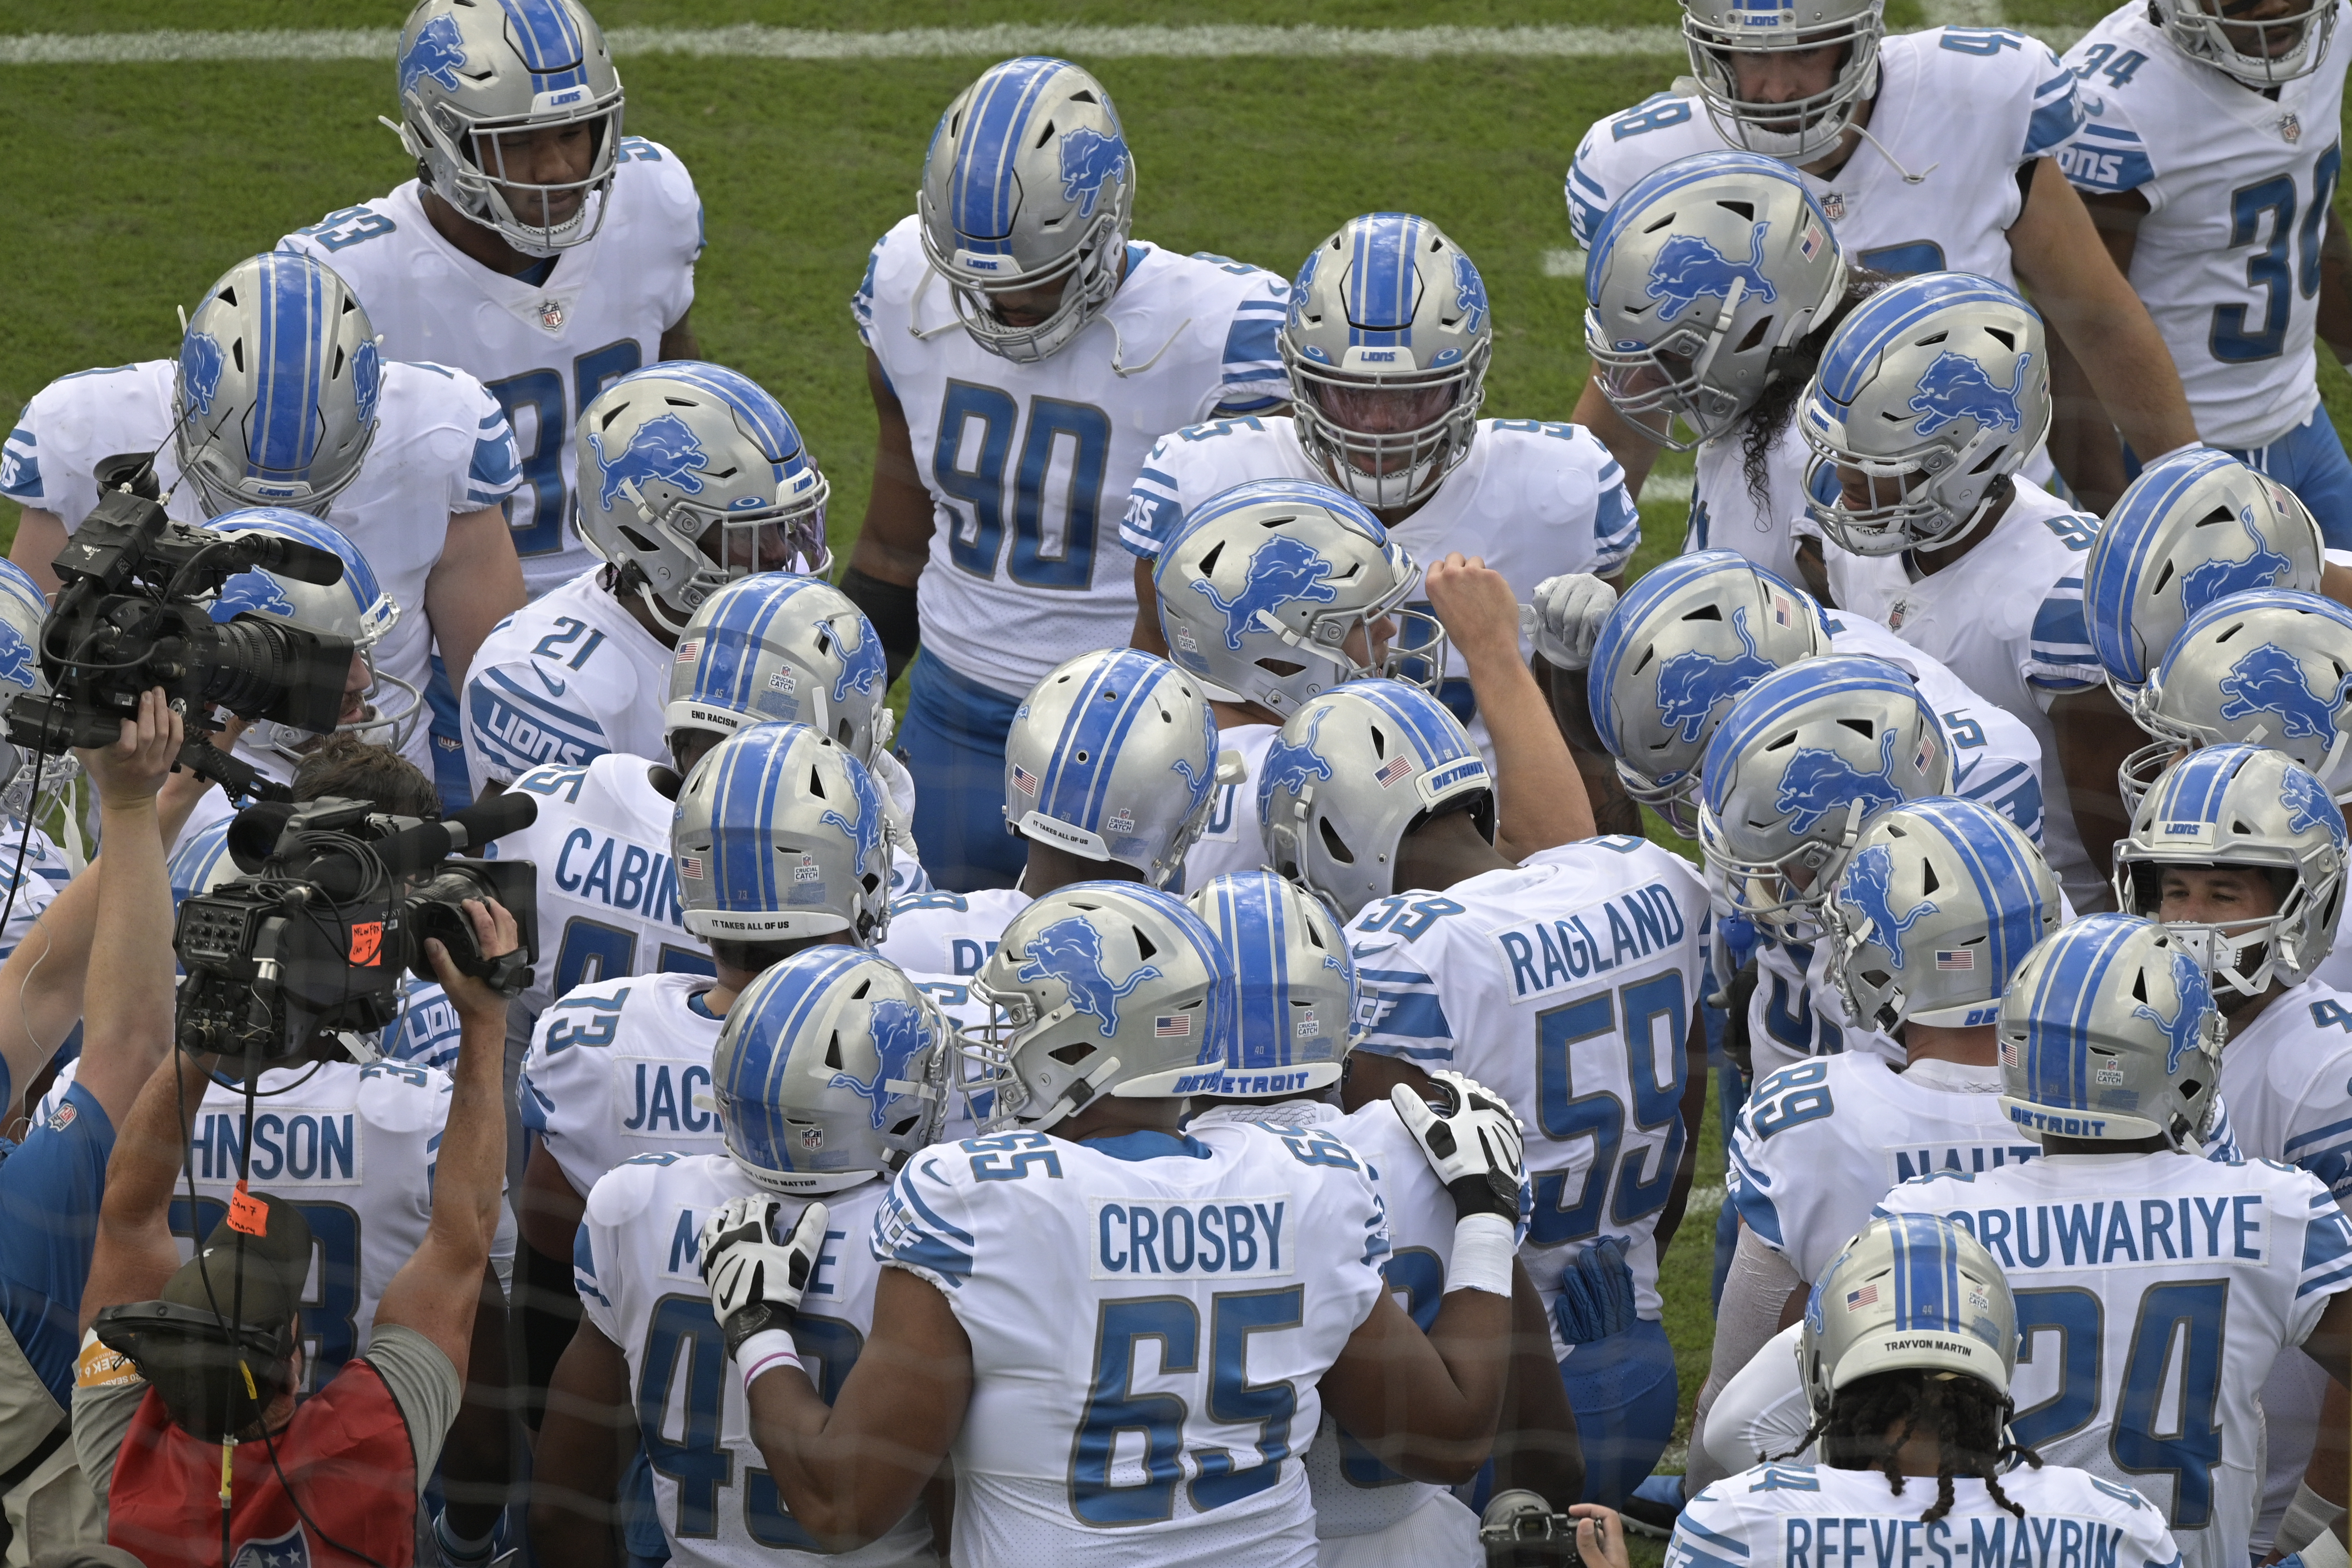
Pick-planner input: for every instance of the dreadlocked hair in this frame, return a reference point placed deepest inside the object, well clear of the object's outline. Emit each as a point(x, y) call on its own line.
point(1771, 411)
point(1969, 1420)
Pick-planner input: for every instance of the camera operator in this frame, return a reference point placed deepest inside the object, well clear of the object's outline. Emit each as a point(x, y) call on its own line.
point(336, 1477)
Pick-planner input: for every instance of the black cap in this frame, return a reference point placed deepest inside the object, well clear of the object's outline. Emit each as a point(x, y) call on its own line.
point(274, 1259)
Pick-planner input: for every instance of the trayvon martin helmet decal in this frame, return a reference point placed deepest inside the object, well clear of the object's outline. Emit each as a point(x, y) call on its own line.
point(1802, 130)
point(1909, 1290)
point(2273, 668)
point(1101, 988)
point(780, 834)
point(775, 647)
point(1294, 979)
point(2109, 1034)
point(1387, 341)
point(831, 1069)
point(2248, 807)
point(1797, 769)
point(1939, 904)
point(1678, 649)
point(1113, 756)
point(1704, 273)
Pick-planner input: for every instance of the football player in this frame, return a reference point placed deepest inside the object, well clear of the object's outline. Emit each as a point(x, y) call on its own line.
point(1074, 339)
point(1089, 1203)
point(1929, 397)
point(1929, 151)
point(2228, 232)
point(828, 1074)
point(700, 477)
point(2139, 1267)
point(1375, 799)
point(280, 398)
point(1908, 1354)
point(1386, 342)
point(1296, 992)
point(1109, 767)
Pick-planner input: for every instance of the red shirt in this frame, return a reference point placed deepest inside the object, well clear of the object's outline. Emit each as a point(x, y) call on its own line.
point(346, 1455)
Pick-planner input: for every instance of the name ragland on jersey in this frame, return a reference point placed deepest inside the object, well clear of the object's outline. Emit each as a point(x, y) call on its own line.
point(1641, 923)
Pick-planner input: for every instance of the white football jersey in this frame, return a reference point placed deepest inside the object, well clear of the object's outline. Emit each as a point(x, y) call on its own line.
point(1031, 1238)
point(2287, 1075)
point(1806, 1516)
point(29, 882)
point(640, 1284)
point(1047, 452)
point(567, 678)
point(1957, 108)
point(1503, 977)
point(1535, 498)
point(2006, 618)
point(2148, 1323)
point(941, 933)
point(1232, 840)
point(1795, 1011)
point(544, 350)
point(353, 1149)
point(442, 447)
point(621, 1068)
point(2239, 183)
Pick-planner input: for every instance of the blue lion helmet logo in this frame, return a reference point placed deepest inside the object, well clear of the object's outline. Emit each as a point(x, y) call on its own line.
point(2308, 805)
point(1089, 160)
point(861, 665)
point(664, 447)
point(1197, 785)
point(367, 380)
point(866, 831)
point(200, 370)
point(2269, 679)
point(440, 52)
point(1282, 570)
point(1869, 888)
point(1291, 768)
point(17, 668)
point(1691, 683)
point(2180, 1030)
point(1302, 286)
point(1469, 294)
point(1818, 782)
point(1070, 951)
point(899, 1037)
point(1689, 268)
point(253, 592)
point(1956, 387)
point(2203, 583)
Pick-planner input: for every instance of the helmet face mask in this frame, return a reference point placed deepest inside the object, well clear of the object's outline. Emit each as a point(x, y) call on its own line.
point(2259, 53)
point(1798, 127)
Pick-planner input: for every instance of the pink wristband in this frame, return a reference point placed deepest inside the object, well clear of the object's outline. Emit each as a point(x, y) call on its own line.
point(764, 1352)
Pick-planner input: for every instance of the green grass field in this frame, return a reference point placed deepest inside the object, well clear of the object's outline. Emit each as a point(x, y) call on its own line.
point(136, 186)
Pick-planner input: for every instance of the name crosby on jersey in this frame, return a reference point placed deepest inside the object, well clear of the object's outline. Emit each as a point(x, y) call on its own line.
point(1641, 923)
point(1233, 1238)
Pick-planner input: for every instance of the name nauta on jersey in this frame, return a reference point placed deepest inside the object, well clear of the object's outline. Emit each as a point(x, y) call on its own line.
point(1974, 1158)
point(295, 1145)
point(2036, 1542)
point(620, 874)
point(1547, 954)
point(1185, 1240)
point(2143, 1231)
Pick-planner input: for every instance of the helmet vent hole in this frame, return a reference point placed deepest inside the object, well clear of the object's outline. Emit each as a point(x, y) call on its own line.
point(2007, 339)
point(1928, 883)
point(681, 402)
point(1044, 134)
point(2139, 987)
point(1379, 741)
point(1663, 221)
point(1083, 757)
point(1143, 945)
point(905, 1126)
point(2163, 579)
point(1861, 727)
point(1705, 613)
point(1071, 1055)
point(2217, 515)
point(638, 539)
point(1934, 338)
point(815, 784)
point(859, 994)
point(833, 1050)
point(1083, 96)
point(615, 411)
point(1746, 210)
point(1876, 977)
point(237, 349)
point(1333, 844)
point(1209, 561)
point(338, 368)
point(1110, 696)
point(1755, 334)
point(2190, 1088)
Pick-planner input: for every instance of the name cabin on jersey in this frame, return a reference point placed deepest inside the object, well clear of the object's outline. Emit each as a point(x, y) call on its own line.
point(1029, 465)
point(2154, 1291)
point(1959, 109)
point(543, 349)
point(622, 1067)
point(442, 448)
point(639, 1283)
point(1534, 497)
point(1179, 1251)
point(1567, 986)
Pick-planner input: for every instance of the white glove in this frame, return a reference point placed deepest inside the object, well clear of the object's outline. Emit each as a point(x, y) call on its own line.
point(1472, 1141)
point(755, 1277)
point(1569, 611)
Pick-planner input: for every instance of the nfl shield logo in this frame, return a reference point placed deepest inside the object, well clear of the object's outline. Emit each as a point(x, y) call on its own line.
point(812, 1139)
point(2291, 126)
point(1895, 616)
point(550, 315)
point(1834, 203)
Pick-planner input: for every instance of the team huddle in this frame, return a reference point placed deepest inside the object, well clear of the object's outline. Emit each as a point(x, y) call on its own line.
point(1214, 1079)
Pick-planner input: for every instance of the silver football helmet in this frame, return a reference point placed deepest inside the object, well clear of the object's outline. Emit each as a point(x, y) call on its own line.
point(1328, 798)
point(1294, 983)
point(1387, 342)
point(1935, 390)
point(1939, 904)
point(1680, 646)
point(2283, 48)
point(2109, 1033)
point(1806, 758)
point(274, 398)
point(831, 1069)
point(780, 833)
point(2273, 668)
point(1113, 756)
point(23, 609)
point(1062, 1030)
point(1909, 1290)
point(1028, 184)
point(473, 77)
point(692, 475)
point(2241, 806)
point(2193, 527)
point(1704, 273)
point(1262, 584)
point(1801, 129)
point(781, 648)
